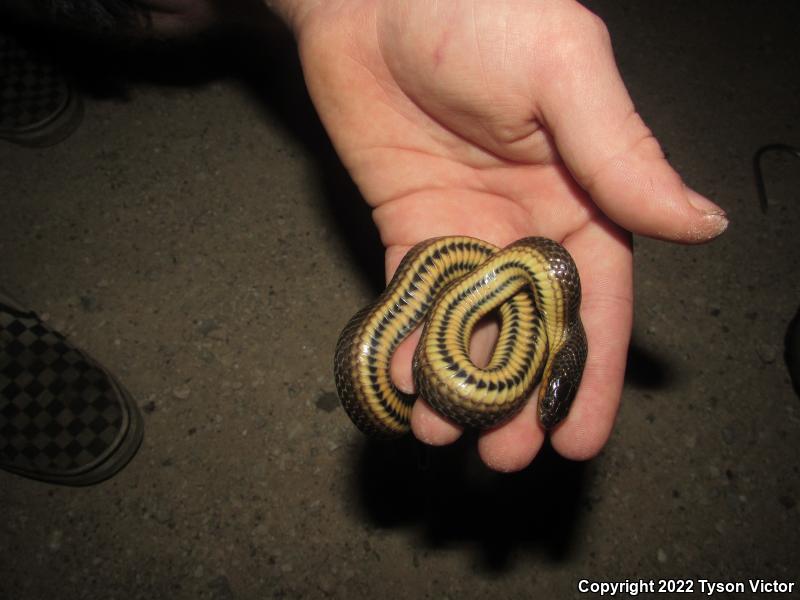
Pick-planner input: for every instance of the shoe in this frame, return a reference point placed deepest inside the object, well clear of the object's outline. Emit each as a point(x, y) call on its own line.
point(38, 105)
point(63, 417)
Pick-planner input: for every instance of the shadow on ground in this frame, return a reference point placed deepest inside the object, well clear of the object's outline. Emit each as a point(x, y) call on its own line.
point(647, 368)
point(452, 498)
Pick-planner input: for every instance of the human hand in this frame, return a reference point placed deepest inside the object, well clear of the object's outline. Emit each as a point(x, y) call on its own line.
point(501, 119)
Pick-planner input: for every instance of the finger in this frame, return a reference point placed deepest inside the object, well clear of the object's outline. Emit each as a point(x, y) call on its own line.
point(392, 258)
point(512, 446)
point(603, 255)
point(432, 428)
point(609, 149)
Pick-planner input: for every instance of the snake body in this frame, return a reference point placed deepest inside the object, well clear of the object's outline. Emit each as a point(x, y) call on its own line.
point(448, 285)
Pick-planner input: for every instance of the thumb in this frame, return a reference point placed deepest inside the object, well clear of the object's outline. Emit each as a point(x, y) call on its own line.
point(614, 156)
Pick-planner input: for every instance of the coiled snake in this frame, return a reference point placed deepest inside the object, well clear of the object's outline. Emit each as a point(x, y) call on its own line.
point(450, 284)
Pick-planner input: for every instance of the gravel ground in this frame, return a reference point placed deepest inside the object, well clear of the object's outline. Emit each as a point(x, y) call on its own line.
point(198, 236)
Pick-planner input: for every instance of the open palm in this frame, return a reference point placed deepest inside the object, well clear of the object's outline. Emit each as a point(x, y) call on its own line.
point(502, 119)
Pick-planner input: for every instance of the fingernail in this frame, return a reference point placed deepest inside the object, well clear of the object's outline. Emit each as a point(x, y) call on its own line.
point(707, 228)
point(717, 223)
point(703, 204)
point(714, 222)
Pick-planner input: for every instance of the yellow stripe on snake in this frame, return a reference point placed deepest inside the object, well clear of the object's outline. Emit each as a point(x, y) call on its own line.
point(448, 284)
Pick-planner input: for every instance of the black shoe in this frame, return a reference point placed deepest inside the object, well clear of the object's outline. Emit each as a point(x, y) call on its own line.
point(63, 417)
point(38, 105)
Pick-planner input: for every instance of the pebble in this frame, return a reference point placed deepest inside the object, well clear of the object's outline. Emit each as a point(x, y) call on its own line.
point(661, 555)
point(55, 539)
point(161, 515)
point(181, 393)
point(767, 353)
point(729, 435)
point(221, 588)
point(327, 402)
point(206, 326)
point(326, 584)
point(295, 431)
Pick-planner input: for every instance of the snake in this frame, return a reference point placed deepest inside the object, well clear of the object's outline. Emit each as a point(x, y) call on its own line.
point(447, 285)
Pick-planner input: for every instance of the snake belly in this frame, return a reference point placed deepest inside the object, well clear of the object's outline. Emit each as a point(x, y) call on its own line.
point(448, 285)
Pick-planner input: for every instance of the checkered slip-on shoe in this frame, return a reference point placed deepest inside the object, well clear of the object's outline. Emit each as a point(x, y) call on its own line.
point(38, 106)
point(63, 417)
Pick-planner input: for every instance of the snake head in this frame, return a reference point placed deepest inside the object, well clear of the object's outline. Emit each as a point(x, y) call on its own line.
point(556, 399)
point(563, 378)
